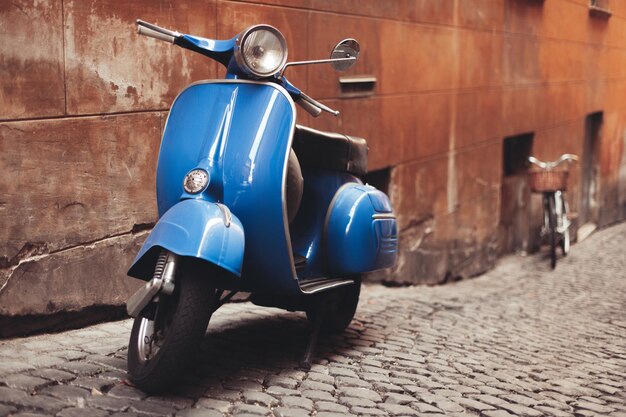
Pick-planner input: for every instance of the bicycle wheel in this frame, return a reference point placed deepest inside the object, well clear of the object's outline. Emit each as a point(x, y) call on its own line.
point(565, 240)
point(552, 232)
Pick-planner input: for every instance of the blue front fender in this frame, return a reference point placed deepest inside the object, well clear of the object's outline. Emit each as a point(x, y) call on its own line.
point(197, 229)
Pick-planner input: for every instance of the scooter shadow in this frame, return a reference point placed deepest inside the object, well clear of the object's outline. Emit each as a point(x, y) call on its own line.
point(240, 353)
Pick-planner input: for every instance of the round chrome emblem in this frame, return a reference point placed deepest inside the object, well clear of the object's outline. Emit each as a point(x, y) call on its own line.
point(196, 181)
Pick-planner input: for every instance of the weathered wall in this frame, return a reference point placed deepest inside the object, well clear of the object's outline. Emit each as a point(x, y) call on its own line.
point(83, 100)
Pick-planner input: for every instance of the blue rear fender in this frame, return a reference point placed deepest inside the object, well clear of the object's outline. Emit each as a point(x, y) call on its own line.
point(197, 229)
point(361, 232)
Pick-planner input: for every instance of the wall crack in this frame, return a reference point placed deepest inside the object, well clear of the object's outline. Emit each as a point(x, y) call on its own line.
point(33, 252)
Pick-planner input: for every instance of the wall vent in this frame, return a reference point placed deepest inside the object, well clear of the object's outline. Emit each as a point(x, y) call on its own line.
point(357, 86)
point(600, 8)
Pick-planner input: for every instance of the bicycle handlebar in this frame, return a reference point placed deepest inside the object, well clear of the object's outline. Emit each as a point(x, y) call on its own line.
point(549, 165)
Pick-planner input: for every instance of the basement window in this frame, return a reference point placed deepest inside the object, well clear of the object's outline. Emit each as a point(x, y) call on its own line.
point(515, 153)
point(379, 179)
point(599, 8)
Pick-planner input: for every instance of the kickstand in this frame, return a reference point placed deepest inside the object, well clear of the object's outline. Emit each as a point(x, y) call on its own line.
point(320, 311)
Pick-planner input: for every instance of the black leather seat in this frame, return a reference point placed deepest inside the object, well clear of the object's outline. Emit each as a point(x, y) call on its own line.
point(331, 151)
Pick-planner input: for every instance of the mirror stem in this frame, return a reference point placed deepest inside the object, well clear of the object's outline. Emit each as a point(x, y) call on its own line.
point(317, 61)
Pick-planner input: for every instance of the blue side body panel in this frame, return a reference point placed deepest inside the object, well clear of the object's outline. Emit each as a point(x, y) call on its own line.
point(361, 231)
point(198, 229)
point(240, 132)
point(307, 230)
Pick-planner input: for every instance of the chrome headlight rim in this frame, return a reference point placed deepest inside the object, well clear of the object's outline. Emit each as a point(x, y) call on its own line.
point(191, 184)
point(240, 43)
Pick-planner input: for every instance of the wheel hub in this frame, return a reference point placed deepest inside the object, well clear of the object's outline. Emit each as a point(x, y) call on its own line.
point(147, 342)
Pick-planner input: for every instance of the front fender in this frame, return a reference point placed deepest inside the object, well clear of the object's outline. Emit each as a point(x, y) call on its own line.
point(197, 229)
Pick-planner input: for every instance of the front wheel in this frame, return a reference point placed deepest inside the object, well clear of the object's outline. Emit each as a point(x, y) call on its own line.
point(340, 308)
point(161, 347)
point(552, 232)
point(565, 241)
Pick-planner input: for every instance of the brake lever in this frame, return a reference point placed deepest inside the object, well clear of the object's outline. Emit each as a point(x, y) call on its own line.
point(311, 105)
point(312, 109)
point(319, 105)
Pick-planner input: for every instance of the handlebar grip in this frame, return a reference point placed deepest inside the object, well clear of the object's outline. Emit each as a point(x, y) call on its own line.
point(142, 30)
point(310, 108)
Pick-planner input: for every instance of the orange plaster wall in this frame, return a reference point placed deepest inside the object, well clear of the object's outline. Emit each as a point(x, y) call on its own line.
point(83, 99)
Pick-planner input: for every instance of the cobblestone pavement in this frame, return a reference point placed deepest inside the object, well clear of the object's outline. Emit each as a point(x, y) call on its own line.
point(520, 340)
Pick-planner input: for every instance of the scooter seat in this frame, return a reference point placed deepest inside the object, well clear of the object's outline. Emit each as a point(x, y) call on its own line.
point(331, 151)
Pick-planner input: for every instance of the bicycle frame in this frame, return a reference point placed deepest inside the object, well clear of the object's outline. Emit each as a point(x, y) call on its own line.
point(555, 220)
point(561, 206)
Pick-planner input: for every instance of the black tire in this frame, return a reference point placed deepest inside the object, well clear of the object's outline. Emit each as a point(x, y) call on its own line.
point(552, 234)
point(340, 308)
point(565, 239)
point(565, 243)
point(183, 318)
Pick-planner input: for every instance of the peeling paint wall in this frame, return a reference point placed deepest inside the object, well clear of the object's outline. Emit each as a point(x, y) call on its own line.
point(83, 100)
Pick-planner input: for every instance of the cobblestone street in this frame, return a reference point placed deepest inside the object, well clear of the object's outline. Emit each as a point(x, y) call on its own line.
point(520, 340)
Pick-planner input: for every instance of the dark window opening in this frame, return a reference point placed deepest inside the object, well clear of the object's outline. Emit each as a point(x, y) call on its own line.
point(590, 167)
point(514, 231)
point(515, 153)
point(379, 178)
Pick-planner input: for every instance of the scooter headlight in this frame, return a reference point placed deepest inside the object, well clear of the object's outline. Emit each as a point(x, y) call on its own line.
point(196, 181)
point(261, 51)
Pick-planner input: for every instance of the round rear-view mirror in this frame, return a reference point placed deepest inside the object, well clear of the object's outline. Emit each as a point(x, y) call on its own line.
point(346, 49)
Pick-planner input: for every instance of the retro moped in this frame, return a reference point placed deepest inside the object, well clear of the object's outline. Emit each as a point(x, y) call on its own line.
point(249, 201)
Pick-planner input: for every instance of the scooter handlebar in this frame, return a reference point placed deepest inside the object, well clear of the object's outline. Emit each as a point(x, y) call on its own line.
point(156, 32)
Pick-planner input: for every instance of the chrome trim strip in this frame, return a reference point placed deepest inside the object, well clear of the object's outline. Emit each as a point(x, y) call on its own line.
point(383, 216)
point(228, 217)
point(332, 283)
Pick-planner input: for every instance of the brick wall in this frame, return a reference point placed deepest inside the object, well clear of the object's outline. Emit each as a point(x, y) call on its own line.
point(83, 100)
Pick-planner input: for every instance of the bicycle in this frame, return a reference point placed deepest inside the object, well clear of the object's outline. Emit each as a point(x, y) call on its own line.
point(552, 183)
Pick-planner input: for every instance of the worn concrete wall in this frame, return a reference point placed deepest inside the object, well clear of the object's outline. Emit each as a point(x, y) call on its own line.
point(83, 100)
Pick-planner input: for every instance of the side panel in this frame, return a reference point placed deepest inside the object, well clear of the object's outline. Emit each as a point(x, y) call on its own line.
point(197, 229)
point(307, 230)
point(361, 231)
point(241, 133)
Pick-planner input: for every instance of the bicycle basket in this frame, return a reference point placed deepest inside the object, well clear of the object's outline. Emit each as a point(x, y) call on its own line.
point(547, 181)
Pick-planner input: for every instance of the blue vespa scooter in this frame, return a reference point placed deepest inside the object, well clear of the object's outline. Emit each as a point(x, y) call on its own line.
point(249, 201)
